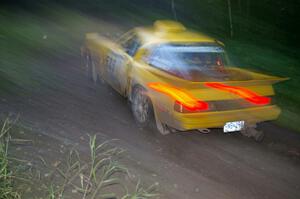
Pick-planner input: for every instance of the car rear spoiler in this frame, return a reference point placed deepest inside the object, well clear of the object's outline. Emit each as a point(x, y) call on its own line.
point(255, 82)
point(257, 79)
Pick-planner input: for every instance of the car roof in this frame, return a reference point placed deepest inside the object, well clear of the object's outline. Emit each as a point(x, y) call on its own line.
point(166, 31)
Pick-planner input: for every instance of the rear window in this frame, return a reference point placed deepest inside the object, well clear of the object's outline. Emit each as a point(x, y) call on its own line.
point(188, 61)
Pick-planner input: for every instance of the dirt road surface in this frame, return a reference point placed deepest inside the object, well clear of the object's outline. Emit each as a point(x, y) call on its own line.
point(187, 165)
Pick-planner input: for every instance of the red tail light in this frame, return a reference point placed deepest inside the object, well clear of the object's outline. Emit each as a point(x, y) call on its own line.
point(242, 92)
point(179, 107)
point(188, 101)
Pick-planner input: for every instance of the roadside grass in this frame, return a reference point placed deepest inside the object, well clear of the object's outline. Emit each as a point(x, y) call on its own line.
point(7, 190)
point(101, 176)
point(96, 175)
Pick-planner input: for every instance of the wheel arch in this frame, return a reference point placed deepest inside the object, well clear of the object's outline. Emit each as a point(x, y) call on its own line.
point(131, 88)
point(138, 85)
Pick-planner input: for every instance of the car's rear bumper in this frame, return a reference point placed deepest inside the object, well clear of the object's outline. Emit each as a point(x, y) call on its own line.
point(189, 121)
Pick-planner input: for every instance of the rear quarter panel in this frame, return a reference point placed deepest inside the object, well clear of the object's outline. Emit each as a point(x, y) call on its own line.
point(163, 105)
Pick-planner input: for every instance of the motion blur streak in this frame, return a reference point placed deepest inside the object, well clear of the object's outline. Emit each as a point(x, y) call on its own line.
point(243, 92)
point(188, 101)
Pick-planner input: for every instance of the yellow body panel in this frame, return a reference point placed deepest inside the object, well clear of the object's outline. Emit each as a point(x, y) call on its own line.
point(129, 71)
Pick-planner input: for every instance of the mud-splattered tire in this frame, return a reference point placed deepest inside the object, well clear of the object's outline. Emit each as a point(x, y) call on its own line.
point(143, 112)
point(141, 107)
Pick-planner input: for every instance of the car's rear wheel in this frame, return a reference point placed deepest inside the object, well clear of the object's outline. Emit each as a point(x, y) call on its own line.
point(141, 107)
point(143, 112)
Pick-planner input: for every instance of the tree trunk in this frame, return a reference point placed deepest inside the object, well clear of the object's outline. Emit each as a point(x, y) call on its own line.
point(240, 7)
point(230, 18)
point(248, 9)
point(174, 10)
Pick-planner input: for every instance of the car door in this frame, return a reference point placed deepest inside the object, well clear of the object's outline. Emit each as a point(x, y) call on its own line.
point(120, 61)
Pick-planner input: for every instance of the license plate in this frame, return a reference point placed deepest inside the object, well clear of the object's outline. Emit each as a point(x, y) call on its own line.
point(233, 126)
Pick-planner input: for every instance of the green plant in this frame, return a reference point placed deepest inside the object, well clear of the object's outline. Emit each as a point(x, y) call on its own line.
point(6, 175)
point(98, 176)
point(141, 193)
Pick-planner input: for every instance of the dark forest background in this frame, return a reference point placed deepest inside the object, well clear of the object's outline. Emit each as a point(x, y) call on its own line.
point(263, 20)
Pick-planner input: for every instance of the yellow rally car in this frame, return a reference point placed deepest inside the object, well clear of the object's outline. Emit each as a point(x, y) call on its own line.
point(180, 78)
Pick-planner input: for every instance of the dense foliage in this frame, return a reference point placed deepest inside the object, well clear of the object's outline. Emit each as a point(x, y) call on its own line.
point(275, 19)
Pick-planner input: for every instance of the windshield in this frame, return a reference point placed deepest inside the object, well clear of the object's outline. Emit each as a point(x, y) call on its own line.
point(189, 61)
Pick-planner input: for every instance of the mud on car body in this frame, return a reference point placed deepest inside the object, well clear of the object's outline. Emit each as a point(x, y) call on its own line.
point(181, 79)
